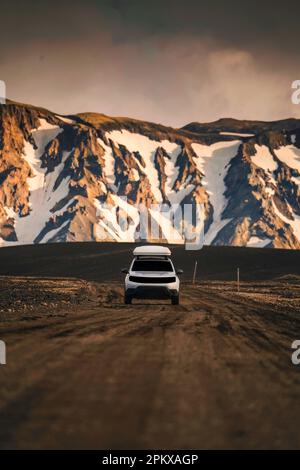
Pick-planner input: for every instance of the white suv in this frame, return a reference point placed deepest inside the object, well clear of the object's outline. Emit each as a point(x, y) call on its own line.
point(152, 275)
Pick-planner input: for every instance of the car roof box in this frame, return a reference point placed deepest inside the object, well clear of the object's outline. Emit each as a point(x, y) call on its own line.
point(151, 250)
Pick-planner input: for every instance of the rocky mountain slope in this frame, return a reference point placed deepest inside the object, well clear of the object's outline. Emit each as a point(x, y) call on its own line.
point(60, 176)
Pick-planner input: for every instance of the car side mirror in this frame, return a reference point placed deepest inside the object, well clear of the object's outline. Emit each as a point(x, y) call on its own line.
point(179, 271)
point(125, 271)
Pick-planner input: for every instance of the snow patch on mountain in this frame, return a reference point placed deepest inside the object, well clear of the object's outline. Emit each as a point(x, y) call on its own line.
point(109, 164)
point(296, 180)
point(147, 148)
point(66, 120)
point(294, 222)
point(117, 226)
point(43, 199)
point(213, 161)
point(257, 242)
point(264, 159)
point(44, 134)
point(237, 134)
point(290, 155)
point(53, 232)
point(164, 222)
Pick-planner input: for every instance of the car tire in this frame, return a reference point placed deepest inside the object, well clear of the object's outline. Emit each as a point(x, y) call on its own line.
point(127, 299)
point(175, 299)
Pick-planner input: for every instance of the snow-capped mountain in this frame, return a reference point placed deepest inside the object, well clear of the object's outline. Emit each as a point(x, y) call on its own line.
point(59, 175)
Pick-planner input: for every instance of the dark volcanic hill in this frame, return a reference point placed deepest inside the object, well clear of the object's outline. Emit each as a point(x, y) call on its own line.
point(59, 173)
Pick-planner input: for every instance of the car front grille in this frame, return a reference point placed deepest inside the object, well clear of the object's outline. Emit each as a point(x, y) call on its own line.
point(152, 280)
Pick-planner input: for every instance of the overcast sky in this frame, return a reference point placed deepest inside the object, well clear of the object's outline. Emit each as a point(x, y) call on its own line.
point(166, 61)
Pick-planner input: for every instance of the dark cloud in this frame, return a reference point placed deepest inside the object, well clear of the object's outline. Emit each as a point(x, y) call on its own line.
point(169, 61)
point(267, 23)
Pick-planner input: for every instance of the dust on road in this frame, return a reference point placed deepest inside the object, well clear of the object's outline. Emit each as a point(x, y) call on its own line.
point(213, 372)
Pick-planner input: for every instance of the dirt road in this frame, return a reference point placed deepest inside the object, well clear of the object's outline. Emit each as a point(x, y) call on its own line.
point(213, 372)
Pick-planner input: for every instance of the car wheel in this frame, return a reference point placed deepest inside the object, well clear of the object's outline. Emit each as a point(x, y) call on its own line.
point(127, 299)
point(175, 300)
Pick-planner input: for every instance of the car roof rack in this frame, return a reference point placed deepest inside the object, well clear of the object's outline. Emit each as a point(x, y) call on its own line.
point(151, 250)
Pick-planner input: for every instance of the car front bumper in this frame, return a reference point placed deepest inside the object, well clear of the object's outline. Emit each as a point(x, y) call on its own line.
point(151, 292)
point(159, 290)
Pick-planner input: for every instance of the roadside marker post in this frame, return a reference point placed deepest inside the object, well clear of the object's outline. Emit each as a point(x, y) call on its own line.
point(238, 279)
point(195, 271)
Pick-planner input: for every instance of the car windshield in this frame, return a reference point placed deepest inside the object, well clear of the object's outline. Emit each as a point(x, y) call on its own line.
point(152, 265)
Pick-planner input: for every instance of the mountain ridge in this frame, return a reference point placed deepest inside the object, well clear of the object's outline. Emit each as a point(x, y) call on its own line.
point(57, 173)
